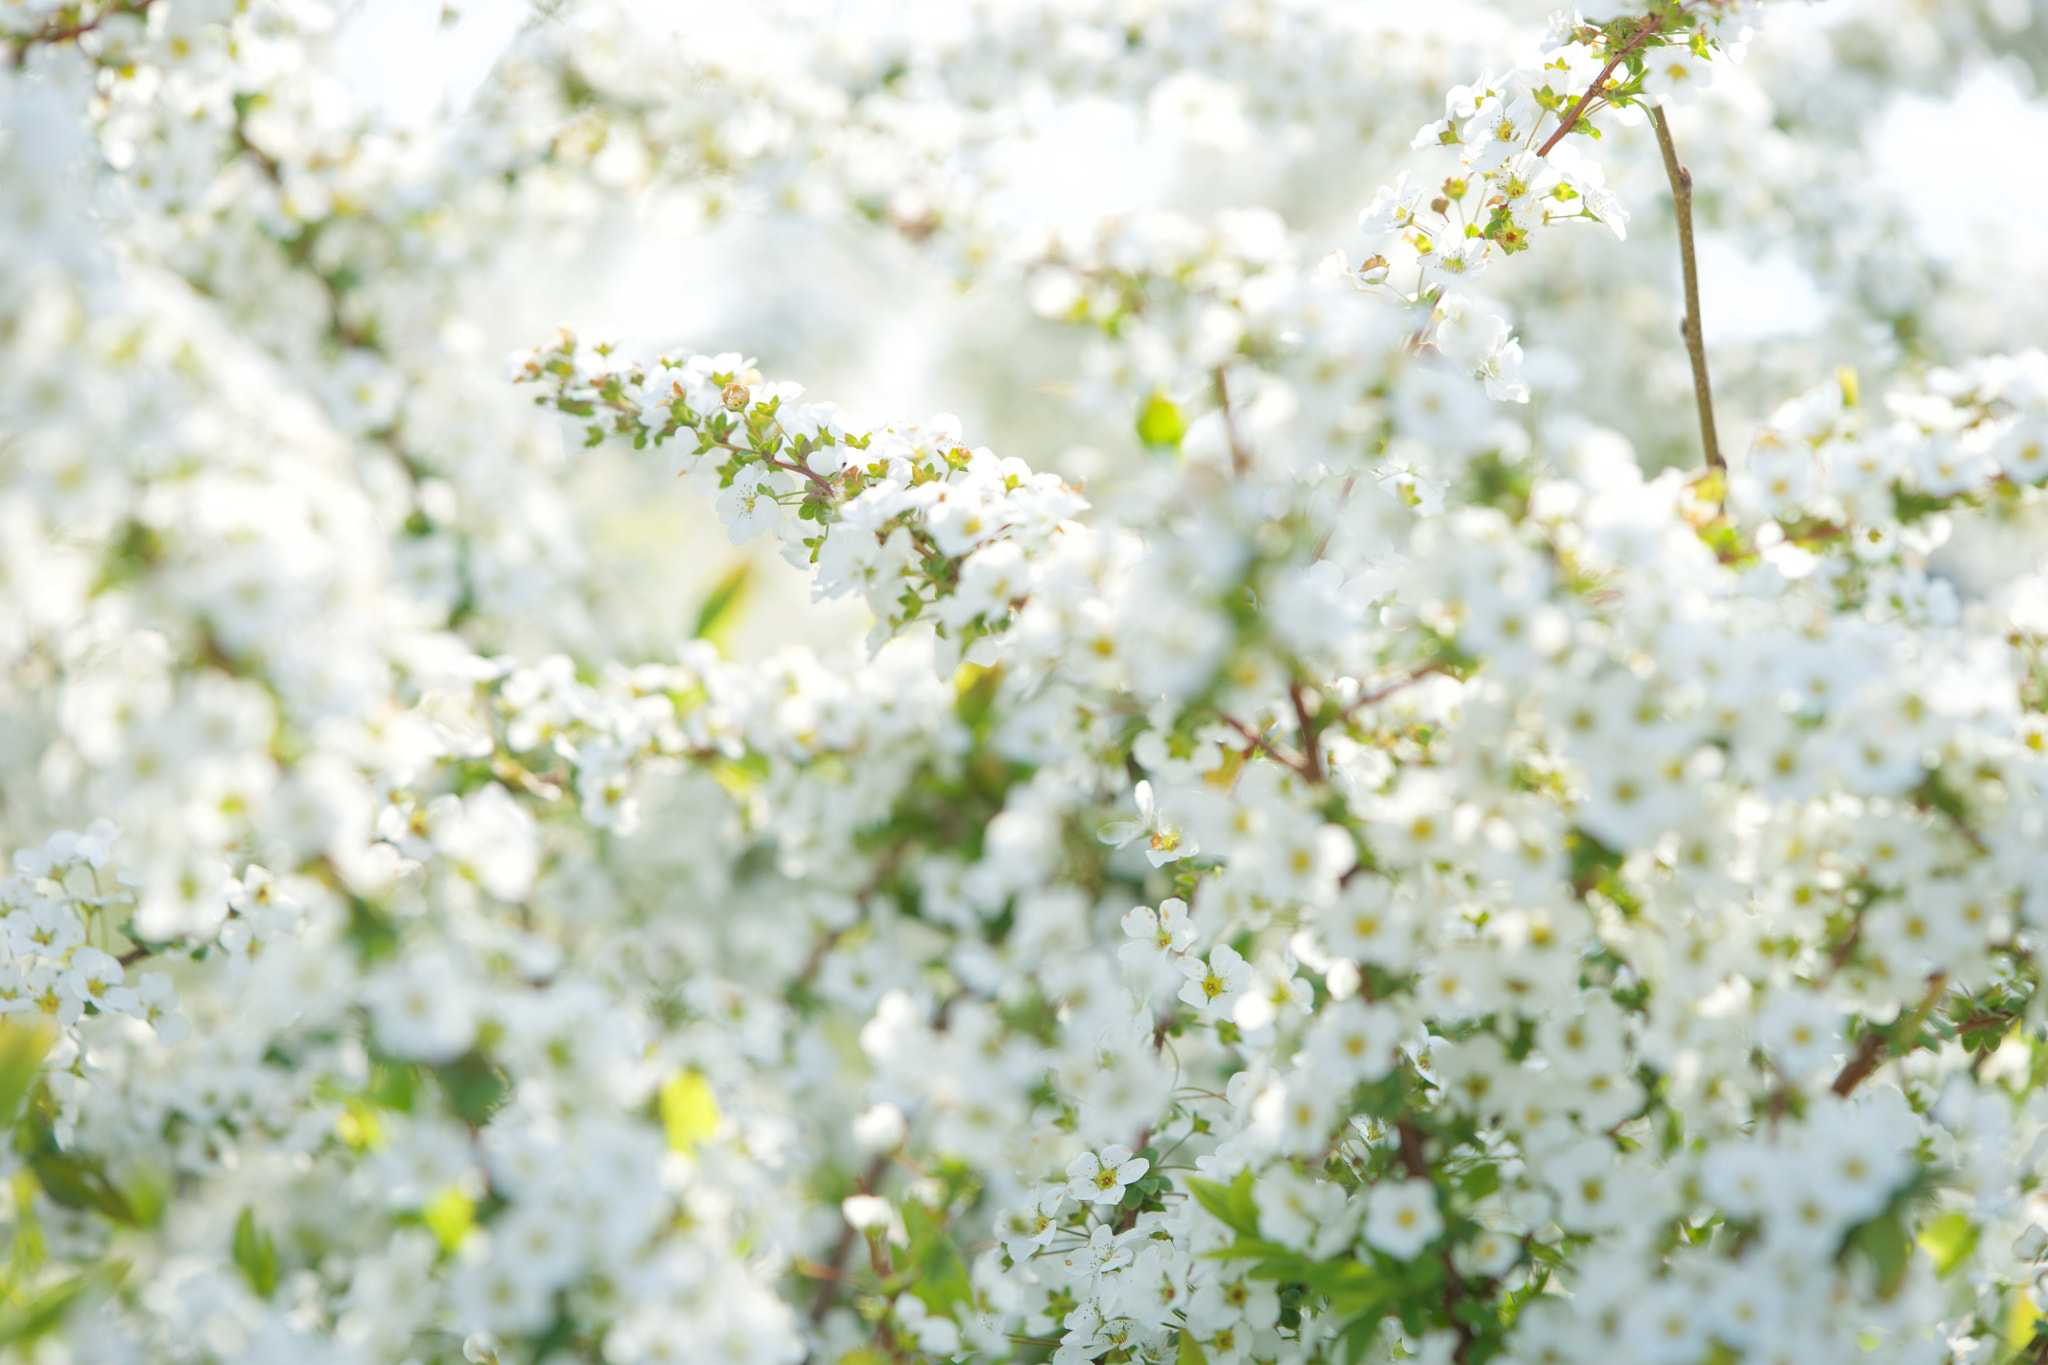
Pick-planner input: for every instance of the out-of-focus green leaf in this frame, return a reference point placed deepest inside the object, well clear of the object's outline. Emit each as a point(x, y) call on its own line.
point(725, 606)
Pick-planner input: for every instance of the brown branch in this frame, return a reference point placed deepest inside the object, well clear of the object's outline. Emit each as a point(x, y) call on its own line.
point(1643, 34)
point(1260, 743)
point(1240, 459)
point(792, 466)
point(1128, 1219)
point(1311, 756)
point(1372, 698)
point(1454, 1290)
point(828, 1289)
point(1689, 325)
point(55, 30)
point(1877, 1042)
point(1839, 958)
point(1412, 1159)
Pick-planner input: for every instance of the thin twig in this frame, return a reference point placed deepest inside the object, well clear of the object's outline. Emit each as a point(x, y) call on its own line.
point(1240, 459)
point(828, 1289)
point(55, 30)
point(1689, 325)
point(1571, 119)
point(1311, 756)
point(1259, 742)
point(1372, 698)
point(1877, 1042)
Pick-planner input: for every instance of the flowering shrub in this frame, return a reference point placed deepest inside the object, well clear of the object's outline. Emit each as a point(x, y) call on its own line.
point(1377, 871)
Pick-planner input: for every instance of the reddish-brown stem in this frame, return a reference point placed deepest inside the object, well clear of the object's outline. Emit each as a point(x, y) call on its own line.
point(1311, 755)
point(1240, 459)
point(54, 31)
point(1571, 119)
point(828, 1290)
point(1689, 325)
point(1412, 1159)
point(1390, 689)
point(1878, 1042)
point(1258, 741)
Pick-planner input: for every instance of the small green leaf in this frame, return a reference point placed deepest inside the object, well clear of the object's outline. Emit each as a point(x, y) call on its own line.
point(22, 1321)
point(1190, 1351)
point(79, 1184)
point(1882, 1241)
point(146, 1187)
point(255, 1254)
point(22, 1049)
point(974, 690)
point(1247, 1249)
point(449, 1215)
point(689, 1110)
point(1949, 1240)
point(725, 605)
point(1358, 1335)
point(474, 1087)
point(1229, 1204)
point(1160, 424)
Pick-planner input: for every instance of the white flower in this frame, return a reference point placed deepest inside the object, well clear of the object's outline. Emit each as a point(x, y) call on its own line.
point(1165, 840)
point(1213, 986)
point(1800, 1030)
point(1100, 1178)
point(1401, 1217)
point(422, 1009)
point(1673, 74)
point(1392, 209)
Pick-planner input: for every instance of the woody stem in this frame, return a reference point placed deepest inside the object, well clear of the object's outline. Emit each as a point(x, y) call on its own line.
point(1689, 325)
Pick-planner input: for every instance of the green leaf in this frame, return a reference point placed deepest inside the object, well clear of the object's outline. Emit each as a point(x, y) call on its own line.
point(689, 1110)
point(23, 1321)
point(22, 1049)
point(255, 1254)
point(1882, 1241)
point(1350, 1286)
point(974, 689)
point(1160, 424)
point(1190, 1351)
point(79, 1184)
point(938, 1276)
point(725, 605)
point(1229, 1204)
point(1949, 1240)
point(147, 1188)
point(1286, 1268)
point(1478, 1183)
point(474, 1087)
point(1358, 1335)
point(1247, 1249)
point(449, 1215)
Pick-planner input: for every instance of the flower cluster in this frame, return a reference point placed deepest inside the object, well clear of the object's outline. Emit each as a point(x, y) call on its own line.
point(1516, 170)
point(57, 964)
point(1387, 876)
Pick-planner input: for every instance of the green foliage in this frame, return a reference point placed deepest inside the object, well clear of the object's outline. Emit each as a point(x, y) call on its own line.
point(255, 1254)
point(725, 605)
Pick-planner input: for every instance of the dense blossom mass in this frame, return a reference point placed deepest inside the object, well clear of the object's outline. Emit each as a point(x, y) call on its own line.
point(1342, 842)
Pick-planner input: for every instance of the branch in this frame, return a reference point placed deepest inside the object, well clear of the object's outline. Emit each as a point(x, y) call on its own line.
point(1240, 459)
point(1689, 325)
point(1259, 742)
point(1876, 1043)
point(832, 1273)
point(1311, 756)
point(58, 30)
point(1372, 698)
point(1571, 119)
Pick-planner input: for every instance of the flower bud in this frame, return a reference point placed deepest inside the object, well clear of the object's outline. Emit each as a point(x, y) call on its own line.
point(735, 397)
